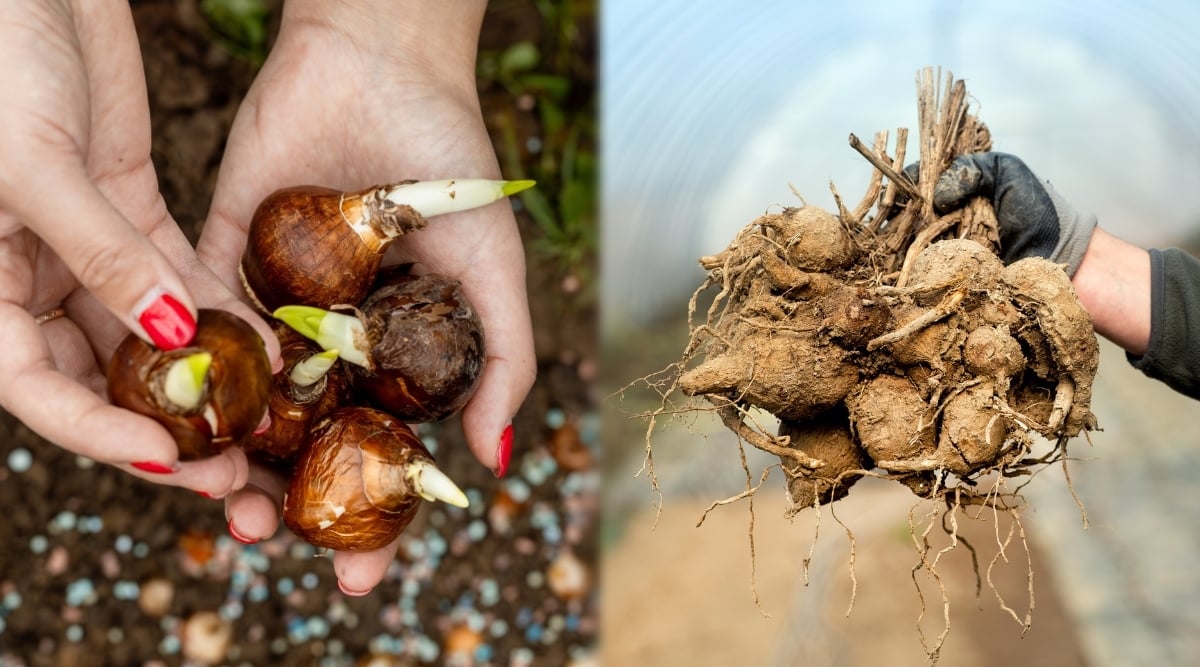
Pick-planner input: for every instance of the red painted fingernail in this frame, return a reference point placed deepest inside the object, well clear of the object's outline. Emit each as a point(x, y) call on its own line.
point(154, 467)
point(263, 424)
point(234, 534)
point(349, 593)
point(206, 494)
point(165, 320)
point(504, 451)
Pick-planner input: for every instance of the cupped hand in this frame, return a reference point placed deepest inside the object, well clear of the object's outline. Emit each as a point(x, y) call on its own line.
point(83, 228)
point(349, 104)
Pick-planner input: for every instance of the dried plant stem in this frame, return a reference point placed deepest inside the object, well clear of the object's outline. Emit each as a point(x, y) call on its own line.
point(894, 187)
point(894, 176)
point(876, 184)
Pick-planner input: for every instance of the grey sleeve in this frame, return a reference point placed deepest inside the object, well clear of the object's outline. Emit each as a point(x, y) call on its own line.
point(1173, 355)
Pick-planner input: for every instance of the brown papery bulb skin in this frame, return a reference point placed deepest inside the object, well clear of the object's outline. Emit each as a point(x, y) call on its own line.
point(293, 408)
point(318, 246)
point(239, 380)
point(349, 489)
point(426, 347)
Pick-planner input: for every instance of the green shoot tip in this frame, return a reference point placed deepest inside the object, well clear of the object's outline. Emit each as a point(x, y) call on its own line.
point(511, 188)
point(185, 378)
point(306, 320)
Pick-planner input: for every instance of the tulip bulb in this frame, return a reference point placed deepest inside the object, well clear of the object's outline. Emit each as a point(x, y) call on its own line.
point(210, 395)
point(417, 345)
point(322, 247)
point(359, 480)
point(310, 386)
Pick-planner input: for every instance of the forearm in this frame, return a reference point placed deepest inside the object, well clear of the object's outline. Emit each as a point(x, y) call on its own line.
point(1149, 304)
point(1113, 283)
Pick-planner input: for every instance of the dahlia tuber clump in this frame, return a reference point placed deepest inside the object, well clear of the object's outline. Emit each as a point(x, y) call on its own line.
point(949, 374)
point(889, 340)
point(896, 344)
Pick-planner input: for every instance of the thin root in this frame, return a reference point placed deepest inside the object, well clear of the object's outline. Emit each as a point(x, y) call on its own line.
point(939, 312)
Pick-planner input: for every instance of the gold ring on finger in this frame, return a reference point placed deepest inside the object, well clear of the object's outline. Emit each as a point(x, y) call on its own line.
point(49, 315)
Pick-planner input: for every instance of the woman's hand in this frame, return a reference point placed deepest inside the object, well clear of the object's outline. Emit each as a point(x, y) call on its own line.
point(88, 251)
point(350, 98)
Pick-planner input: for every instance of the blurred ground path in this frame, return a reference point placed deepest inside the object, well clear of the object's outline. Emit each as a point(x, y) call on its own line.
point(1122, 592)
point(1131, 579)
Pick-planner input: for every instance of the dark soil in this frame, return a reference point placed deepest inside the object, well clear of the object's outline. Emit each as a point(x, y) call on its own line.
point(80, 540)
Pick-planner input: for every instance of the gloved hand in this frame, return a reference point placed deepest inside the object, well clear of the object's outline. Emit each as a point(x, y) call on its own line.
point(1035, 221)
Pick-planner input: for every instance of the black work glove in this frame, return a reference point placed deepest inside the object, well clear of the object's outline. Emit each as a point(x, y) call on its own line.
point(1035, 221)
